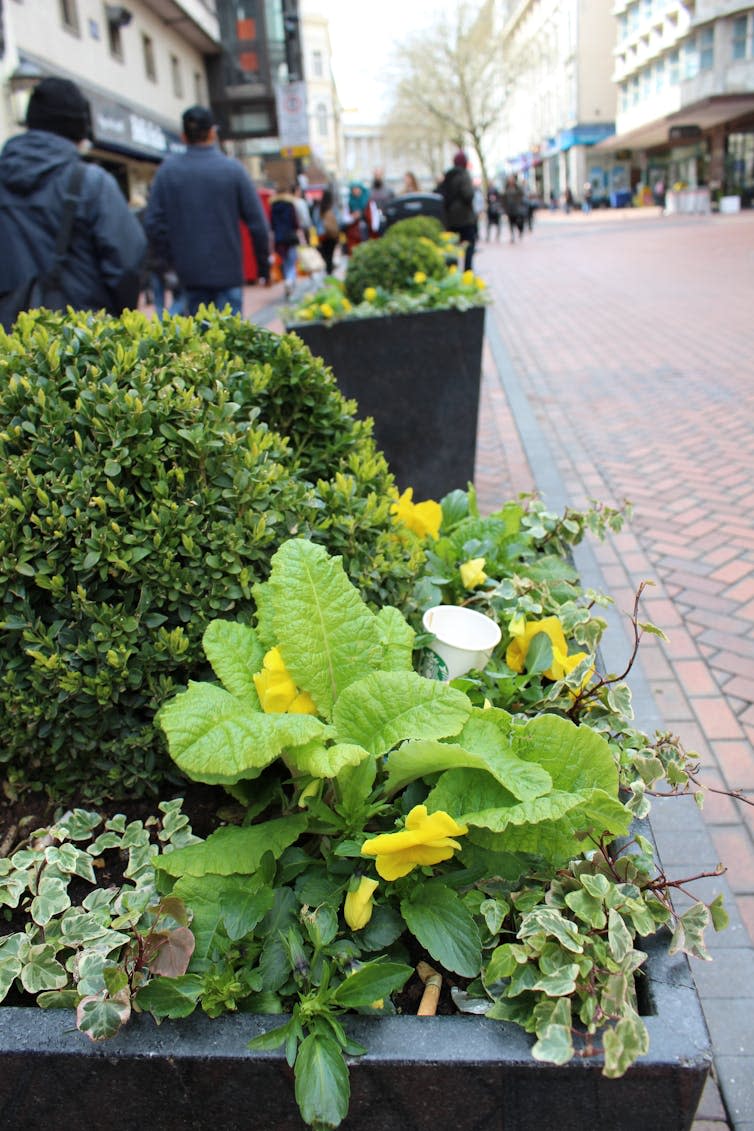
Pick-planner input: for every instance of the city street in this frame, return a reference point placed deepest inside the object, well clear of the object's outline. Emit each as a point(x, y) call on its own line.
point(619, 365)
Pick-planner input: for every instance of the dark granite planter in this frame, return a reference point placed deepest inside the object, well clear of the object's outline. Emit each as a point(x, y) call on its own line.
point(418, 376)
point(460, 1072)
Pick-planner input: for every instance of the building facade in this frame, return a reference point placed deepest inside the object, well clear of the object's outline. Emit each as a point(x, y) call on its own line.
point(557, 67)
point(140, 65)
point(684, 71)
point(323, 104)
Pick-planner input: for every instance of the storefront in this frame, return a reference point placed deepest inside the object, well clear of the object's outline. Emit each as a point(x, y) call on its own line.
point(128, 143)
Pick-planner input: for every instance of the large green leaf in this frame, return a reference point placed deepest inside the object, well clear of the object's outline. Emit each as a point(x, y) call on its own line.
point(236, 655)
point(327, 635)
point(477, 747)
point(232, 850)
point(383, 709)
point(440, 921)
point(374, 981)
point(322, 1088)
point(397, 640)
point(477, 799)
point(576, 757)
point(233, 905)
point(218, 738)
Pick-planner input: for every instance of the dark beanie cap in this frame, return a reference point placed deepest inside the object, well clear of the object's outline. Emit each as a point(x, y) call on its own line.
point(58, 106)
point(460, 160)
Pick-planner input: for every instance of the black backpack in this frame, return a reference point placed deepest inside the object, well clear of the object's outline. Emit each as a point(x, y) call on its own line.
point(47, 288)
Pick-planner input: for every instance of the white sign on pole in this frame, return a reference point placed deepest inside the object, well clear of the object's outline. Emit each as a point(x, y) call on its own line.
point(293, 119)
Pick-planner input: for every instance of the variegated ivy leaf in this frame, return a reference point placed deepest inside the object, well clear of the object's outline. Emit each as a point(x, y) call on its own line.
point(385, 708)
point(51, 898)
point(101, 1019)
point(41, 970)
point(236, 654)
point(10, 968)
point(624, 1044)
point(327, 635)
point(218, 738)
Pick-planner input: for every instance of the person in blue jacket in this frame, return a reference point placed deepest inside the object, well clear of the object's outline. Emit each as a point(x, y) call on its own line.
point(197, 202)
point(102, 267)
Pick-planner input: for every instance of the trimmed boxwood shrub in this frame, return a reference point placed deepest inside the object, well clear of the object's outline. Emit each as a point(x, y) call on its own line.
point(391, 264)
point(414, 227)
point(149, 472)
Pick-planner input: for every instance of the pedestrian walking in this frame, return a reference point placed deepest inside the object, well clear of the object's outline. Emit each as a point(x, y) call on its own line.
point(568, 200)
point(410, 183)
point(287, 234)
point(197, 203)
point(457, 192)
point(102, 264)
point(329, 230)
point(494, 212)
point(513, 205)
point(586, 204)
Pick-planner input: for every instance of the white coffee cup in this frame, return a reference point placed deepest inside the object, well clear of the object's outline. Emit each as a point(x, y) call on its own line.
point(464, 640)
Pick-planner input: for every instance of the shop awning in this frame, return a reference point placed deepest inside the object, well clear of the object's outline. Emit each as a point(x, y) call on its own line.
point(707, 113)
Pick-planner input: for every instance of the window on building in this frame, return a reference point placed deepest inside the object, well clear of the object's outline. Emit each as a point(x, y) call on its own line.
point(690, 58)
point(622, 27)
point(176, 75)
point(317, 65)
point(69, 15)
point(635, 90)
point(321, 114)
point(706, 48)
point(114, 38)
point(198, 88)
point(623, 96)
point(674, 73)
point(659, 76)
point(646, 83)
point(150, 67)
point(647, 7)
point(739, 37)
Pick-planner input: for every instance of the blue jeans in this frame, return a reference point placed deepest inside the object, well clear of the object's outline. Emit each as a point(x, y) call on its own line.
point(195, 296)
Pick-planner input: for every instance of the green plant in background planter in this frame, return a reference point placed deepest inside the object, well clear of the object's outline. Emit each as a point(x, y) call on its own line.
point(150, 470)
point(381, 816)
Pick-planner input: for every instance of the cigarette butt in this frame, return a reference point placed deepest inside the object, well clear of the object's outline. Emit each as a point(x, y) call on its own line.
point(432, 986)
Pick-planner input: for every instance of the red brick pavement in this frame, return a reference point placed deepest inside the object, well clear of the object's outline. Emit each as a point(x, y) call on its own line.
point(631, 335)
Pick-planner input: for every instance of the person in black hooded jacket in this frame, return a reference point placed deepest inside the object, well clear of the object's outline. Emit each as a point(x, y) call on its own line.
point(102, 266)
point(457, 192)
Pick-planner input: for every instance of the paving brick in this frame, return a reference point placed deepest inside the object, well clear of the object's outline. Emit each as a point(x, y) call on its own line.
point(736, 761)
point(716, 718)
point(695, 677)
point(736, 851)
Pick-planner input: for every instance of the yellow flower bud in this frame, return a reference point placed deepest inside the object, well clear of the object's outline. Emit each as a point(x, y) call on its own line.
point(420, 277)
point(358, 906)
point(468, 277)
point(370, 294)
point(326, 310)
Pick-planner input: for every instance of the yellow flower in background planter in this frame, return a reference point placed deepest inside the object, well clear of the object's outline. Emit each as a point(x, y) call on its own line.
point(472, 573)
point(423, 518)
point(370, 294)
point(426, 840)
point(346, 305)
point(419, 277)
point(523, 632)
point(447, 236)
point(480, 284)
point(307, 313)
point(276, 690)
point(453, 269)
point(358, 906)
point(326, 310)
point(468, 277)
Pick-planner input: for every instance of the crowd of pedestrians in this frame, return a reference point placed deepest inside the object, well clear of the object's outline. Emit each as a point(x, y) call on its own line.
point(183, 245)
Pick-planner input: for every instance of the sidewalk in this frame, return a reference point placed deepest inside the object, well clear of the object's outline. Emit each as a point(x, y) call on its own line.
point(621, 363)
point(618, 364)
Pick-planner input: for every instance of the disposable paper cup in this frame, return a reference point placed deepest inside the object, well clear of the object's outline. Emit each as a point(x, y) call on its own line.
point(464, 640)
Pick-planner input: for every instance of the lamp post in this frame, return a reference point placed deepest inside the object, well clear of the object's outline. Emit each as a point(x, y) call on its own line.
point(21, 82)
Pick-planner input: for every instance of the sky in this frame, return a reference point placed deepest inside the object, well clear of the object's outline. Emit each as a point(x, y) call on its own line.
point(362, 38)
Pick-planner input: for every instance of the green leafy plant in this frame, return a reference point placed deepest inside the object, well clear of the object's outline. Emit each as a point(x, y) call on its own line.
point(414, 227)
point(392, 265)
point(150, 470)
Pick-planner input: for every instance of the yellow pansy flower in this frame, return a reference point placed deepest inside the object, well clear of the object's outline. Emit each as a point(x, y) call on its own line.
point(358, 906)
point(276, 690)
point(306, 313)
point(523, 632)
point(453, 269)
point(480, 284)
point(423, 518)
point(419, 277)
point(370, 294)
point(468, 277)
point(346, 304)
point(326, 310)
point(447, 235)
point(472, 573)
point(425, 840)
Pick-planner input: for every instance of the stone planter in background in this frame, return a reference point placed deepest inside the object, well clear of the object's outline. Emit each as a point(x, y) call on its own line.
point(418, 377)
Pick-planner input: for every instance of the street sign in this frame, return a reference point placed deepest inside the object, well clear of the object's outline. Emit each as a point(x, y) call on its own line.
point(293, 119)
point(295, 151)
